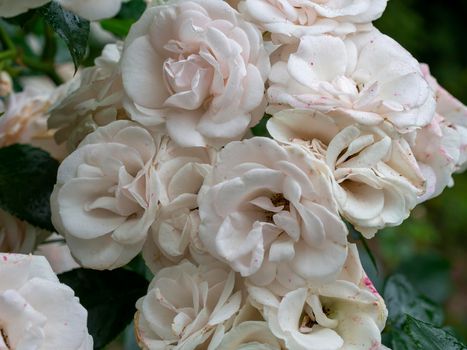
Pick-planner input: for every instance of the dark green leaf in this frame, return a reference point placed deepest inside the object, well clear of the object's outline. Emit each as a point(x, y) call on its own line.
point(401, 341)
point(426, 336)
point(430, 274)
point(109, 297)
point(402, 299)
point(132, 9)
point(27, 177)
point(260, 128)
point(73, 29)
point(119, 27)
point(139, 266)
point(24, 19)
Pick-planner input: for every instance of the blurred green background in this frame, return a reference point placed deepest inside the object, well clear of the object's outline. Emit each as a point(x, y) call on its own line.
point(430, 247)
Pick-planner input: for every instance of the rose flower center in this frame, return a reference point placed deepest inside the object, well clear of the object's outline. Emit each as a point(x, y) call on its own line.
point(278, 200)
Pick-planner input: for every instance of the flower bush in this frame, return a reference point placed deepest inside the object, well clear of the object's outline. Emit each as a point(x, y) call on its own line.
point(178, 212)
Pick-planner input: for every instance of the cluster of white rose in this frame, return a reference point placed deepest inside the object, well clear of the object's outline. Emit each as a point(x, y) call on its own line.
point(36, 310)
point(246, 235)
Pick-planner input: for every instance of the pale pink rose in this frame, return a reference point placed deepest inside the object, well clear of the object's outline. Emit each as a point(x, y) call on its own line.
point(25, 120)
point(248, 331)
point(376, 178)
point(345, 314)
point(254, 335)
point(57, 253)
point(185, 305)
point(36, 310)
point(441, 147)
point(94, 98)
point(291, 19)
point(268, 212)
point(174, 234)
point(17, 236)
point(366, 77)
point(455, 114)
point(437, 149)
point(106, 195)
point(198, 68)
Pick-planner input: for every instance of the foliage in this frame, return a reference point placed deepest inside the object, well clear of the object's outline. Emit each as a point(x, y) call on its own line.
point(71, 28)
point(120, 24)
point(109, 297)
point(27, 177)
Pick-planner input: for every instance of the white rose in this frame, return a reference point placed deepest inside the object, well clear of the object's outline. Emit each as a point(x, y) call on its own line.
point(441, 147)
point(376, 178)
point(11, 8)
point(185, 305)
point(18, 236)
point(36, 310)
point(250, 335)
point(293, 19)
point(95, 100)
point(106, 195)
point(25, 120)
point(455, 114)
point(347, 314)
point(248, 331)
point(268, 212)
point(92, 10)
point(366, 77)
point(88, 9)
point(175, 232)
point(198, 67)
point(438, 150)
point(57, 253)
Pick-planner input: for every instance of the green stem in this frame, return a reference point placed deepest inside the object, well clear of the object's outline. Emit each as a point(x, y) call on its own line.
point(50, 46)
point(8, 54)
point(6, 39)
point(46, 66)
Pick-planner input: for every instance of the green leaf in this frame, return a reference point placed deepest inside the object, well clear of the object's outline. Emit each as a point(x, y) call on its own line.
point(402, 299)
point(27, 177)
point(119, 27)
point(109, 297)
point(430, 274)
point(426, 336)
point(129, 13)
point(73, 29)
point(401, 341)
point(132, 9)
point(260, 128)
point(139, 266)
point(23, 19)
